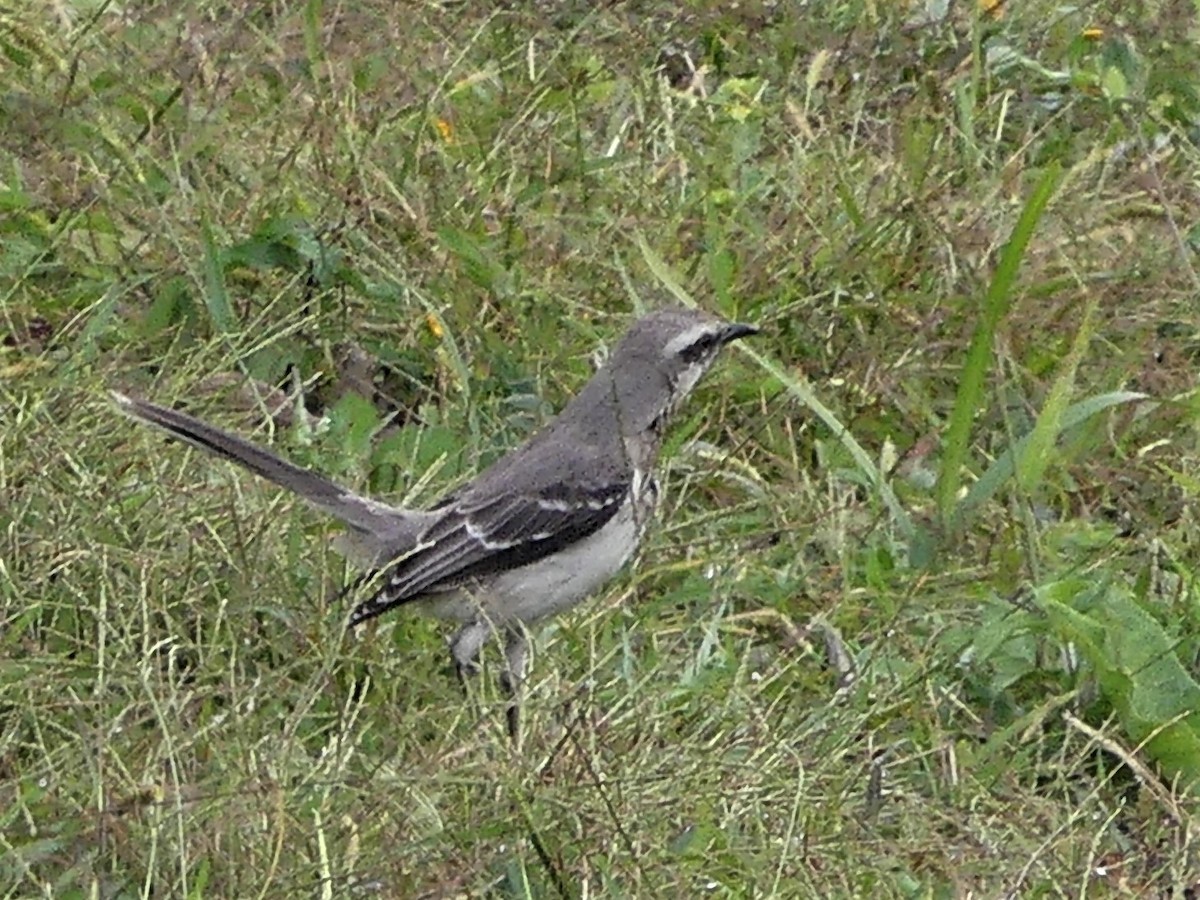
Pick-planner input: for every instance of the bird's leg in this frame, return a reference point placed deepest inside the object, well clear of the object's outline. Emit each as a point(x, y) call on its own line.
point(465, 646)
point(516, 655)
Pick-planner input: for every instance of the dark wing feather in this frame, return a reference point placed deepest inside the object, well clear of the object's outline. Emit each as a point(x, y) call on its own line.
point(482, 536)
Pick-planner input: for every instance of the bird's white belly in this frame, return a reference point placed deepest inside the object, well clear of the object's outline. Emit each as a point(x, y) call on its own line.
point(552, 584)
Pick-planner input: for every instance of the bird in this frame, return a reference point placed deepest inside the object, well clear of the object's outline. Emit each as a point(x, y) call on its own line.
point(535, 533)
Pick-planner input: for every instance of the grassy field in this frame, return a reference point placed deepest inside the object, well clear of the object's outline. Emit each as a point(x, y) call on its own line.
point(920, 618)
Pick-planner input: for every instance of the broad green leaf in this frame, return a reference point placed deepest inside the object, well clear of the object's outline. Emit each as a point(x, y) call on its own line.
point(1138, 671)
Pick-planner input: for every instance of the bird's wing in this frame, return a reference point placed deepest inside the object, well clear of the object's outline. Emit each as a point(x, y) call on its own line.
point(478, 536)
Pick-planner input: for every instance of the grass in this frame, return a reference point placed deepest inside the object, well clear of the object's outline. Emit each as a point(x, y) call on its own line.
point(920, 616)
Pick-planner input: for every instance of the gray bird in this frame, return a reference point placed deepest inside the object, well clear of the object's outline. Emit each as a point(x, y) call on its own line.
point(535, 533)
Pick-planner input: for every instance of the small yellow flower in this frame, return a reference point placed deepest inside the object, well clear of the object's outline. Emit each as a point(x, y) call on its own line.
point(434, 324)
point(445, 129)
point(1093, 34)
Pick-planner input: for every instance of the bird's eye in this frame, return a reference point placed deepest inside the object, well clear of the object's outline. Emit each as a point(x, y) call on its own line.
point(699, 348)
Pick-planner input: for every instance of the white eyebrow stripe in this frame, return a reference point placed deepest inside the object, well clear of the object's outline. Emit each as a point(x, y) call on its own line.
point(685, 339)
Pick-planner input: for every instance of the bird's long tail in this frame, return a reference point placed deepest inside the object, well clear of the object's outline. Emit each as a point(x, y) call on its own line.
point(366, 516)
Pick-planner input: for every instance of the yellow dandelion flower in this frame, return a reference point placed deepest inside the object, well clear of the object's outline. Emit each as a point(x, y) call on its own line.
point(434, 324)
point(992, 8)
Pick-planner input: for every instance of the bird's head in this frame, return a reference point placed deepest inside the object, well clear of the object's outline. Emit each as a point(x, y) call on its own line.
point(659, 361)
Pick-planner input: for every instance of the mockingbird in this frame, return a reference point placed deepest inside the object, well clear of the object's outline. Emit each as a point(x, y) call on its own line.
point(535, 533)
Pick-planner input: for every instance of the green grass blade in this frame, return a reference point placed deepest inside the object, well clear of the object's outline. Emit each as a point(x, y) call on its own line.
point(1035, 456)
point(312, 34)
point(100, 318)
point(216, 295)
point(800, 389)
point(663, 272)
point(997, 303)
point(1005, 464)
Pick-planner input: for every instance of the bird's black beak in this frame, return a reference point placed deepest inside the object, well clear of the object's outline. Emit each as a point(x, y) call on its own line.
point(735, 330)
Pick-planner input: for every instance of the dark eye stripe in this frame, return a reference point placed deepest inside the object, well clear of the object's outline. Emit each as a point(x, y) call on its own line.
point(699, 349)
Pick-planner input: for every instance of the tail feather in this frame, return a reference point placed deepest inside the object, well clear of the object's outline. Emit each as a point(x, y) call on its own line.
point(375, 522)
